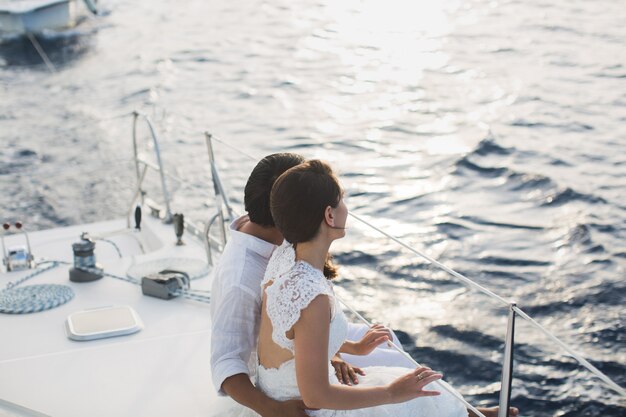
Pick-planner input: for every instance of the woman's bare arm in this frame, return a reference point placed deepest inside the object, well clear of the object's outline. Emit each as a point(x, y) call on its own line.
point(311, 334)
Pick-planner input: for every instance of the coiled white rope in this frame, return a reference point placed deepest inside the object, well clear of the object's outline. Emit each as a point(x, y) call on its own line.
point(34, 298)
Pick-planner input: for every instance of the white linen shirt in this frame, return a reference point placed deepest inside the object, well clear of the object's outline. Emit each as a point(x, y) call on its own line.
point(236, 304)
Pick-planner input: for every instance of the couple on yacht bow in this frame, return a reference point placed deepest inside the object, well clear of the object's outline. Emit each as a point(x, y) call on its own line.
point(275, 317)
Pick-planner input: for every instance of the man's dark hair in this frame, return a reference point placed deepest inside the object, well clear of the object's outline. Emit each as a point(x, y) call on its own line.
point(260, 182)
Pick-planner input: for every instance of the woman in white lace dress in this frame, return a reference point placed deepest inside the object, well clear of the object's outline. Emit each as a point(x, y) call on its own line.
point(303, 326)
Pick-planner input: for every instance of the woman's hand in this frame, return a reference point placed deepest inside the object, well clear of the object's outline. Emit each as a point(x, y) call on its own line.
point(346, 373)
point(411, 385)
point(375, 336)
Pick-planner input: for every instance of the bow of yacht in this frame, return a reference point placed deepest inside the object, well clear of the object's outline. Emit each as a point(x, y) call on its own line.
point(161, 370)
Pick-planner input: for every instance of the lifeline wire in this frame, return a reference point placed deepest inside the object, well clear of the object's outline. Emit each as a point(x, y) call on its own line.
point(579, 358)
point(234, 148)
point(575, 355)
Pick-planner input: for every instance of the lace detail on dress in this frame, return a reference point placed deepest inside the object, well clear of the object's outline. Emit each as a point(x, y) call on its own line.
point(289, 294)
point(281, 261)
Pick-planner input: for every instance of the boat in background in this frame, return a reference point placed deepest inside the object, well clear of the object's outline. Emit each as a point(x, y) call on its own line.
point(20, 17)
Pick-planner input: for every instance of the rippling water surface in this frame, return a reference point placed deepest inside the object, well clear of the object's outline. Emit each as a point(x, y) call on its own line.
point(487, 133)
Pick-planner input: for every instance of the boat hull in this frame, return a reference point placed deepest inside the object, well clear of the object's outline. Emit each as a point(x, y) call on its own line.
point(42, 16)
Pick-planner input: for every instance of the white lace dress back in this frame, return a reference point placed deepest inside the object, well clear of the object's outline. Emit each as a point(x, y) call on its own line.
point(293, 288)
point(287, 296)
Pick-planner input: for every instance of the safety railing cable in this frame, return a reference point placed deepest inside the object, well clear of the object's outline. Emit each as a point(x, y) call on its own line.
point(253, 158)
point(491, 294)
point(463, 278)
point(584, 362)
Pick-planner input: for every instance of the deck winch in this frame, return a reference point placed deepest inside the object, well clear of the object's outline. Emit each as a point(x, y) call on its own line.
point(85, 267)
point(165, 284)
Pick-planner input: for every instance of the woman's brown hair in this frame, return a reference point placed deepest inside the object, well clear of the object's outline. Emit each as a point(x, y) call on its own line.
point(299, 199)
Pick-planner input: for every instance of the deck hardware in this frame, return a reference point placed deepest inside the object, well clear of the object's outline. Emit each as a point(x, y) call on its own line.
point(148, 206)
point(507, 364)
point(17, 258)
point(179, 228)
point(159, 167)
point(140, 194)
point(221, 199)
point(138, 217)
point(5, 256)
point(165, 284)
point(155, 212)
point(85, 268)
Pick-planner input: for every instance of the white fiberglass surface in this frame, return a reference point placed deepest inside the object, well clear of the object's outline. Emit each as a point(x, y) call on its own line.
point(161, 370)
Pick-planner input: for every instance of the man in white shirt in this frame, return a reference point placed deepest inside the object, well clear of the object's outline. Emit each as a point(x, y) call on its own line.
point(236, 293)
point(236, 298)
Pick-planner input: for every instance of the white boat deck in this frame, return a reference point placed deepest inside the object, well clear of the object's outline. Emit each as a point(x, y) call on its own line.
point(163, 370)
